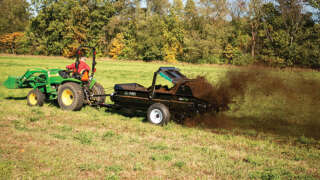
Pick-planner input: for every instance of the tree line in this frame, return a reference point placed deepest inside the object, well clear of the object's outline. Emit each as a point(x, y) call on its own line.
point(280, 33)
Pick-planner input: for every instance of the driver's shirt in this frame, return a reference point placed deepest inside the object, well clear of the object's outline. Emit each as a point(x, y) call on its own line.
point(82, 66)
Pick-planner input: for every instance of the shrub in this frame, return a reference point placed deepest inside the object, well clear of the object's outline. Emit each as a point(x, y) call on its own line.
point(214, 59)
point(273, 61)
point(305, 140)
point(242, 59)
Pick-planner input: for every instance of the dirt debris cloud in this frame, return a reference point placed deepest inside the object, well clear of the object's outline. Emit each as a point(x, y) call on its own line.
point(289, 94)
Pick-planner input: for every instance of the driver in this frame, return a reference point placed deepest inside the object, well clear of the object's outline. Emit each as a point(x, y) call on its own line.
point(83, 66)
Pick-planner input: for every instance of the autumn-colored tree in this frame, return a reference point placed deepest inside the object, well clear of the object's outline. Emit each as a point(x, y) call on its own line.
point(116, 46)
point(9, 42)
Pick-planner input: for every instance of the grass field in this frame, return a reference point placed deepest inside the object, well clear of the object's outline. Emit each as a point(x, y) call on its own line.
point(261, 138)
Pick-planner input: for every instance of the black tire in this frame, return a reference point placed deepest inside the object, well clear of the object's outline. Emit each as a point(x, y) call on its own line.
point(98, 89)
point(158, 114)
point(35, 98)
point(70, 96)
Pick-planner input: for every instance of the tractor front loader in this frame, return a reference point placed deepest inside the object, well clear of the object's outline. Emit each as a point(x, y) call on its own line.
point(67, 87)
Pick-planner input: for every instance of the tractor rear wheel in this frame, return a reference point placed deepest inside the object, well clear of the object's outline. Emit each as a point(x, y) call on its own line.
point(70, 96)
point(98, 89)
point(35, 98)
point(158, 114)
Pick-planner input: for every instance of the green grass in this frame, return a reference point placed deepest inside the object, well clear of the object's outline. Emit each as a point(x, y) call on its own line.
point(263, 139)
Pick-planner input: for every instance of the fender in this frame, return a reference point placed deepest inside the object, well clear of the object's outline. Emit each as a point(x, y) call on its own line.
point(92, 83)
point(71, 80)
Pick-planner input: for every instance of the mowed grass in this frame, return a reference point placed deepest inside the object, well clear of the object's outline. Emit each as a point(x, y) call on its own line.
point(48, 143)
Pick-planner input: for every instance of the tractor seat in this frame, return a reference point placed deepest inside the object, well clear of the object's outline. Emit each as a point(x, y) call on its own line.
point(64, 74)
point(83, 76)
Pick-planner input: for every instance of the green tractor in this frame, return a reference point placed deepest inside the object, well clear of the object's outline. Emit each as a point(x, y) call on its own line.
point(68, 87)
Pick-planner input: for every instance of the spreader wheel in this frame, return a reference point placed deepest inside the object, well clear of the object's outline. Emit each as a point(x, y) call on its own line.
point(70, 96)
point(35, 98)
point(158, 114)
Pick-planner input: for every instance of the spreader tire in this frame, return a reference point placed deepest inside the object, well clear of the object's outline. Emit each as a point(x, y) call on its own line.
point(70, 96)
point(98, 89)
point(35, 98)
point(158, 114)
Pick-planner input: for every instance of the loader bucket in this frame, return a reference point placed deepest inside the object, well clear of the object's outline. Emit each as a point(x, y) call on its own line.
point(12, 82)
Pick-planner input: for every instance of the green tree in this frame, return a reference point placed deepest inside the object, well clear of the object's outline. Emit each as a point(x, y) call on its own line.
point(173, 34)
point(160, 7)
point(213, 9)
point(190, 15)
point(61, 26)
point(284, 45)
point(178, 7)
point(254, 16)
point(315, 4)
point(14, 16)
point(278, 34)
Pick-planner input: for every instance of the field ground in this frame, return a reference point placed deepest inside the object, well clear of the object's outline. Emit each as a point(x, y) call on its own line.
point(258, 139)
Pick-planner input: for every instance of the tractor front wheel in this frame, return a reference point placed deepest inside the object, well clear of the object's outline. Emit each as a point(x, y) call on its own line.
point(35, 98)
point(70, 96)
point(158, 114)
